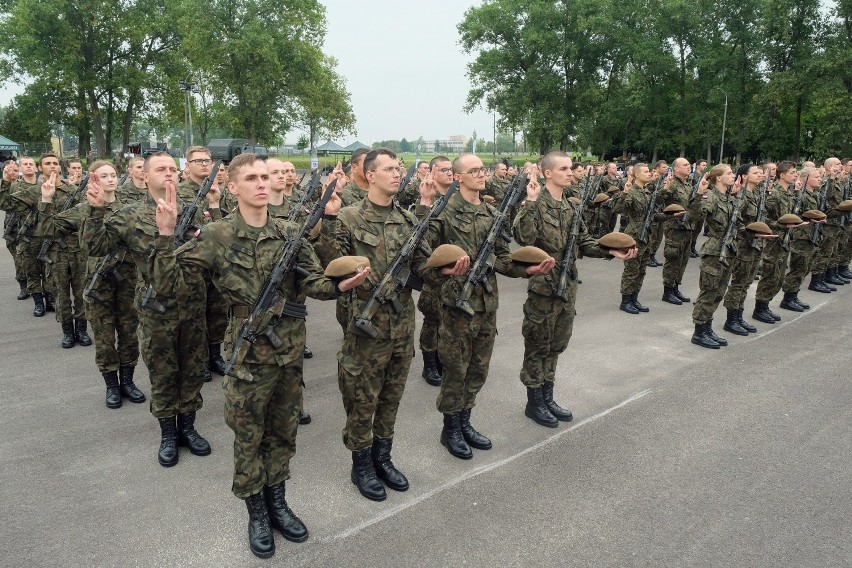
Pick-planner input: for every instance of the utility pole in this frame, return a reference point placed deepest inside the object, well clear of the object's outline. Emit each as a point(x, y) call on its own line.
point(188, 87)
point(724, 124)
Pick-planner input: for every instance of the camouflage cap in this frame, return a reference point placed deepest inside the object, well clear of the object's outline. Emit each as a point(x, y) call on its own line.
point(814, 215)
point(529, 255)
point(445, 255)
point(674, 208)
point(759, 227)
point(789, 219)
point(845, 206)
point(617, 241)
point(346, 266)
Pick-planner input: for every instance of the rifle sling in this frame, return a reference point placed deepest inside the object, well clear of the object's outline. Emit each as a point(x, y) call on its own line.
point(291, 310)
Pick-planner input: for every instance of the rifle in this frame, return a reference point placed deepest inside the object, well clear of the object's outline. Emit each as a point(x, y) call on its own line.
point(123, 179)
point(823, 200)
point(399, 275)
point(483, 265)
point(106, 267)
point(732, 224)
point(271, 304)
point(652, 205)
point(312, 187)
point(187, 216)
point(404, 181)
point(847, 194)
point(11, 226)
point(761, 212)
point(70, 202)
point(785, 243)
point(568, 255)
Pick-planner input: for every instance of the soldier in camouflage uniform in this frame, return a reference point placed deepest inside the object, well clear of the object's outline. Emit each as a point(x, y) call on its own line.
point(66, 265)
point(661, 169)
point(465, 343)
point(263, 395)
point(844, 254)
point(356, 190)
point(199, 163)
point(498, 184)
point(372, 372)
point(545, 221)
point(575, 188)
point(411, 194)
point(172, 334)
point(824, 263)
point(109, 302)
point(11, 226)
point(75, 172)
point(697, 223)
point(23, 199)
point(678, 233)
point(802, 248)
point(133, 189)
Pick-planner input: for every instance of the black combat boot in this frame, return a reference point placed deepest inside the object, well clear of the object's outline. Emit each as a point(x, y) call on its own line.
point(800, 302)
point(307, 353)
point(732, 324)
point(712, 334)
point(364, 476)
point(537, 411)
point(840, 276)
point(215, 362)
point(385, 470)
point(23, 294)
point(743, 323)
point(789, 303)
point(775, 316)
point(680, 296)
point(817, 284)
point(168, 454)
point(261, 539)
point(68, 337)
point(635, 299)
point(700, 337)
point(561, 414)
point(39, 309)
point(128, 388)
point(113, 394)
point(453, 439)
point(304, 418)
point(627, 304)
point(670, 297)
point(49, 304)
point(831, 278)
point(440, 365)
point(693, 253)
point(471, 436)
point(292, 528)
point(81, 333)
point(842, 271)
point(188, 437)
point(430, 368)
point(761, 312)
point(653, 262)
point(207, 375)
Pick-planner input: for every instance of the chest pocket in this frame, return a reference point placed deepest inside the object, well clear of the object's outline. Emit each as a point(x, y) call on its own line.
point(239, 262)
point(463, 224)
point(364, 236)
point(146, 227)
point(551, 217)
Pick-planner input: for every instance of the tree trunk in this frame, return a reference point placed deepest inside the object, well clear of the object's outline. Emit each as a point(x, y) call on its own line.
point(798, 133)
point(97, 122)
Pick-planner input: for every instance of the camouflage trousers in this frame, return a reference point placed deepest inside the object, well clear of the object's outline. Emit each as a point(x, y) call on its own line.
point(216, 314)
point(371, 375)
point(802, 254)
point(823, 258)
point(341, 311)
point(67, 277)
point(264, 415)
point(676, 253)
point(33, 267)
point(656, 238)
point(712, 283)
point(429, 304)
point(743, 269)
point(634, 270)
point(548, 324)
point(112, 315)
point(464, 347)
point(844, 248)
point(774, 260)
point(175, 352)
point(697, 226)
point(17, 259)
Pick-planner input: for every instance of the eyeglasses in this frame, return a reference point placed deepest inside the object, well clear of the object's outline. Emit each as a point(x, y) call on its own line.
point(390, 170)
point(445, 170)
point(201, 161)
point(476, 172)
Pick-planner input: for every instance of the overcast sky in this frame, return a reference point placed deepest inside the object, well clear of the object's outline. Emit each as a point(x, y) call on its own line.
point(403, 68)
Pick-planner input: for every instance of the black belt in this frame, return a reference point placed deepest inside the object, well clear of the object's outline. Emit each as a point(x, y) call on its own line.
point(291, 310)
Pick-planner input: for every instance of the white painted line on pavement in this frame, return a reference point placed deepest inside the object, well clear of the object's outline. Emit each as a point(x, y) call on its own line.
point(477, 471)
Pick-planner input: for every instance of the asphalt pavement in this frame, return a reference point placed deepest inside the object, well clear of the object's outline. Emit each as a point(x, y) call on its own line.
point(677, 456)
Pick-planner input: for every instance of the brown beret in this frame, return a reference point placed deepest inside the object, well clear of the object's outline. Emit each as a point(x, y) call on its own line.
point(617, 241)
point(445, 255)
point(529, 255)
point(346, 266)
point(613, 189)
point(845, 206)
point(789, 219)
point(601, 197)
point(574, 199)
point(489, 199)
point(759, 227)
point(813, 215)
point(673, 208)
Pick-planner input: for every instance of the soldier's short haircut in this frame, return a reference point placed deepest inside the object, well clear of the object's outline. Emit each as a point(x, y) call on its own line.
point(828, 161)
point(159, 154)
point(373, 155)
point(784, 167)
point(75, 161)
point(437, 159)
point(639, 165)
point(240, 162)
point(357, 153)
point(845, 161)
point(133, 160)
point(47, 155)
point(97, 164)
point(576, 166)
point(457, 162)
point(700, 161)
point(26, 158)
point(193, 149)
point(806, 173)
point(661, 163)
point(548, 162)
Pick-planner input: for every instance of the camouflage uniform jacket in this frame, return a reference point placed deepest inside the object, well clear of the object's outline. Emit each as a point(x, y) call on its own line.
point(718, 208)
point(239, 259)
point(679, 192)
point(546, 224)
point(467, 226)
point(377, 233)
point(634, 204)
point(130, 194)
point(497, 187)
point(68, 242)
point(24, 201)
point(352, 194)
point(778, 203)
point(810, 200)
point(834, 195)
point(748, 214)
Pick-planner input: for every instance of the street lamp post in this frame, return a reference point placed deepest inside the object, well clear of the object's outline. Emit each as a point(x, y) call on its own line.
point(187, 87)
point(724, 124)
